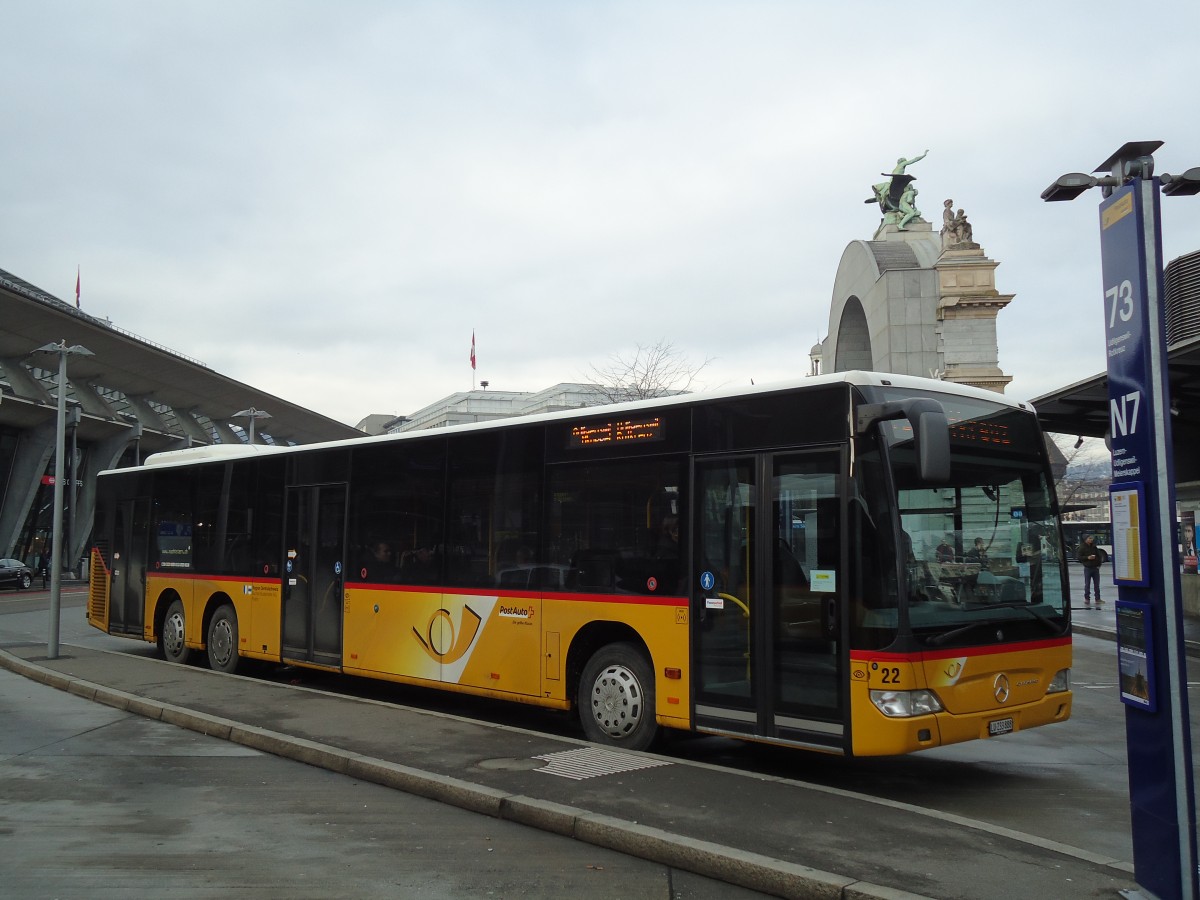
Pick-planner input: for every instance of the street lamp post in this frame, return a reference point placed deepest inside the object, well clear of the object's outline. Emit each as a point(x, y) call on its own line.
point(251, 414)
point(63, 352)
point(73, 423)
point(1149, 608)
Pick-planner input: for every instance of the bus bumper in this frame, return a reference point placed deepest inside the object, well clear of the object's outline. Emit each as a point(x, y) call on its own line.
point(1000, 721)
point(877, 735)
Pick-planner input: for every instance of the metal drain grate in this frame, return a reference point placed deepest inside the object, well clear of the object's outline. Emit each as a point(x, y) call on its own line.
point(593, 762)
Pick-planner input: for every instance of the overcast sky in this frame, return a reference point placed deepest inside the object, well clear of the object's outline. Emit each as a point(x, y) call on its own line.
point(323, 200)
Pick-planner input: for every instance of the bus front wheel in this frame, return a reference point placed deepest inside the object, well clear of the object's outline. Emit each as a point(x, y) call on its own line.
point(171, 636)
point(223, 640)
point(616, 698)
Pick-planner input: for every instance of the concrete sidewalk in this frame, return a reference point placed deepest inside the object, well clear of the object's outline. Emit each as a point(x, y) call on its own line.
point(1101, 621)
point(769, 834)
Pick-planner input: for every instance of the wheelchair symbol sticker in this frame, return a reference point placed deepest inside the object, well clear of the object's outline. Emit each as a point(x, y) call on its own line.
point(707, 580)
point(337, 568)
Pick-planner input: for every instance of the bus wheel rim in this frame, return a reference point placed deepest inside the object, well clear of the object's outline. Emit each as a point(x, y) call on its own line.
point(173, 633)
point(221, 641)
point(617, 701)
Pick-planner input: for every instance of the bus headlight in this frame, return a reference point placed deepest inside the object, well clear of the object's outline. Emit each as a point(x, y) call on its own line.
point(1060, 682)
point(903, 704)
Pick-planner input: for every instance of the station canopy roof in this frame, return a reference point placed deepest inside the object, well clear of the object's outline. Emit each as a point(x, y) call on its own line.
point(130, 375)
point(1082, 408)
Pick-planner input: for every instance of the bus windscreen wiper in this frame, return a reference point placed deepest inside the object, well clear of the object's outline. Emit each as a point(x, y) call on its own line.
point(940, 639)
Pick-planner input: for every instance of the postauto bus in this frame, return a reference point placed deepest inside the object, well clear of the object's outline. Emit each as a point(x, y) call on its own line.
point(858, 563)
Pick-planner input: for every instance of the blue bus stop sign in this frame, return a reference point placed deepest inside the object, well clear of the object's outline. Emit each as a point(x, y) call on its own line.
point(1145, 557)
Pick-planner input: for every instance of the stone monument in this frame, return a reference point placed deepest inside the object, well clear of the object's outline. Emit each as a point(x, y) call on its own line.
point(912, 302)
point(968, 304)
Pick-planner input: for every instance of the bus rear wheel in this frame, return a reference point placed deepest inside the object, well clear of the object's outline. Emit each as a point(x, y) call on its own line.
point(223, 640)
point(171, 636)
point(616, 698)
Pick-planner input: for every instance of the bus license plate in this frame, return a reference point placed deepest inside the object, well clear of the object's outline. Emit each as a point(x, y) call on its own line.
point(1000, 726)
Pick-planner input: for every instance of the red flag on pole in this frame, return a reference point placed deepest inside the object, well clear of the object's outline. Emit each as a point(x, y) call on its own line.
point(77, 287)
point(472, 351)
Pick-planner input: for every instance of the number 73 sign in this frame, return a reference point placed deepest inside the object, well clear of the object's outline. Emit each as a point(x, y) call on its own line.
point(1126, 322)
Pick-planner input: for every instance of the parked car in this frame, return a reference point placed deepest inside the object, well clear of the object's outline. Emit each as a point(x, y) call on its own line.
point(14, 573)
point(546, 577)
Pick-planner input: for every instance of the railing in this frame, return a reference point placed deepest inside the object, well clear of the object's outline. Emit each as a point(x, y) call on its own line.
point(28, 290)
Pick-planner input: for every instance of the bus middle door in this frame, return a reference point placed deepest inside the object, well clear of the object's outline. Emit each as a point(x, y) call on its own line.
point(768, 597)
point(314, 574)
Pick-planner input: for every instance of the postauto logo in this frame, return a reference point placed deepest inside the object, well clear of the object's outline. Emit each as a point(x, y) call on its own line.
point(442, 641)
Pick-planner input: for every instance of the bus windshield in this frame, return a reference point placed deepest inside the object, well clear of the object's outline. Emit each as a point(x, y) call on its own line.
point(981, 557)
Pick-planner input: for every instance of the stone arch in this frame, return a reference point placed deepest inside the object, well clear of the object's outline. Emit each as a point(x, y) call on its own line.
point(853, 347)
point(885, 300)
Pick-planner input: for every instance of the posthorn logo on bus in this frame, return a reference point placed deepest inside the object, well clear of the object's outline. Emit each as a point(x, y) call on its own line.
point(442, 641)
point(1001, 688)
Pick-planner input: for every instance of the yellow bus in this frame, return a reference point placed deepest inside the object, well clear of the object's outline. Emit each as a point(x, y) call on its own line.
point(858, 564)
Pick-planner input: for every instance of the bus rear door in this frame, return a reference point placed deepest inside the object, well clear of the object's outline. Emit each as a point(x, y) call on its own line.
point(127, 598)
point(768, 595)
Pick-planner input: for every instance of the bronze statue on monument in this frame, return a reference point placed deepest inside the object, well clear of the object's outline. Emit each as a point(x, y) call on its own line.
point(897, 196)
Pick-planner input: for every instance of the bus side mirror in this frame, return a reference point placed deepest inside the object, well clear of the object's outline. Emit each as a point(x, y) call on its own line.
point(931, 433)
point(931, 439)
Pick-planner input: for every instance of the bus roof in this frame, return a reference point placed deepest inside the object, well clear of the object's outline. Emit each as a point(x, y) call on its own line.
point(208, 452)
point(855, 377)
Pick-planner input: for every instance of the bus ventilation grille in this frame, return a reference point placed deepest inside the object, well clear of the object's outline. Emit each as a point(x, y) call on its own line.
point(98, 585)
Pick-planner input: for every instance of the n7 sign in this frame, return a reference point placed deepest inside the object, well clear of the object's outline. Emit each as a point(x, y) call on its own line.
point(1123, 413)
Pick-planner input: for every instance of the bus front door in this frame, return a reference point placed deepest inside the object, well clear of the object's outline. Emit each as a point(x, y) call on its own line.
point(767, 601)
point(314, 571)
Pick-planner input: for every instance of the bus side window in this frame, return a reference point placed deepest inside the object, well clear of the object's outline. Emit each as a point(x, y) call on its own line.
point(396, 513)
point(493, 500)
point(615, 527)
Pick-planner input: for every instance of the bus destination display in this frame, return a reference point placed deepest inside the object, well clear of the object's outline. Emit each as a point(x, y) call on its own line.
point(639, 431)
point(973, 431)
point(980, 432)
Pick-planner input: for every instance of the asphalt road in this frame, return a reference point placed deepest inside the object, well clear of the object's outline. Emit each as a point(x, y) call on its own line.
point(101, 803)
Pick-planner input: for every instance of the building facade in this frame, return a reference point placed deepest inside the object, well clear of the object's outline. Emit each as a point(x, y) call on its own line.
point(485, 405)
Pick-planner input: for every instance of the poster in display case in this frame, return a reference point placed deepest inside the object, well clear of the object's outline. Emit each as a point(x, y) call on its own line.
point(1135, 655)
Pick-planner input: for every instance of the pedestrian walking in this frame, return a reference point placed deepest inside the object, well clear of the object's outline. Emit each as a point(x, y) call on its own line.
point(1092, 557)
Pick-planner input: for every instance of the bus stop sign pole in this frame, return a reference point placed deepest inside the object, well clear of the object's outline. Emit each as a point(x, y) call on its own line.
point(1145, 555)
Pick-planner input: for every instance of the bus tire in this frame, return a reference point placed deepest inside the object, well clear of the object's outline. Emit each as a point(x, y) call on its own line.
point(171, 636)
point(223, 640)
point(616, 698)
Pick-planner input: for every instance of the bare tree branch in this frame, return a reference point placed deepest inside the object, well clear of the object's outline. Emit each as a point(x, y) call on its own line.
point(652, 370)
point(1085, 479)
